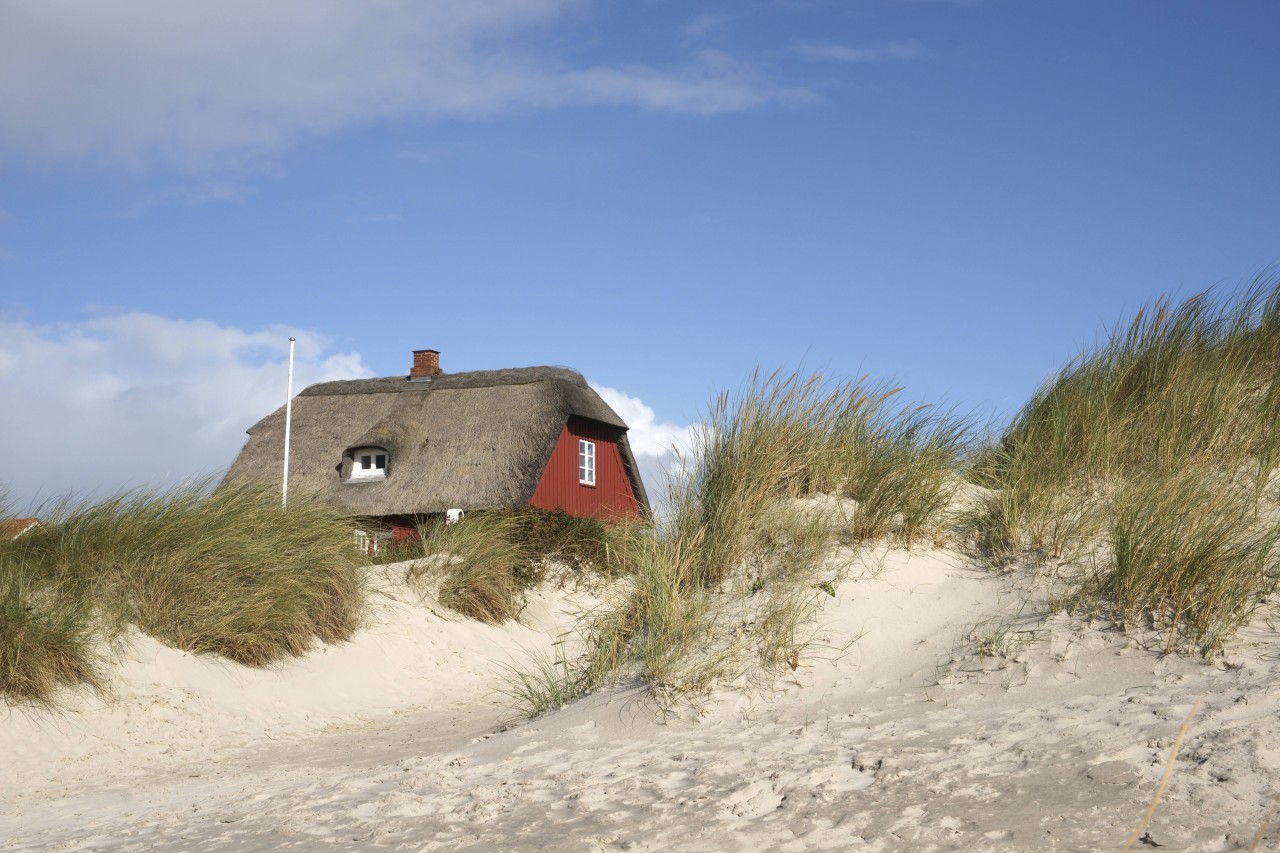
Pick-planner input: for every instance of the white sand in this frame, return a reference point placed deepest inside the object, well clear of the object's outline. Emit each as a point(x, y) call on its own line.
point(907, 741)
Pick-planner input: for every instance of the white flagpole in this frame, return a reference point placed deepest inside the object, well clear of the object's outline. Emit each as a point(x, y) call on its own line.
point(288, 423)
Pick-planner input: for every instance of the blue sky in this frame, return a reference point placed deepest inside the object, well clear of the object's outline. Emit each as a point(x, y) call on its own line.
point(663, 195)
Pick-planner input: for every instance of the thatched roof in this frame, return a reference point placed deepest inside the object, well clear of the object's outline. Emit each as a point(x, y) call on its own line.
point(469, 440)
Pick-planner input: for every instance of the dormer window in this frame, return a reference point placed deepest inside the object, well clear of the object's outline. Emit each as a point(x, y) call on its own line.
point(369, 463)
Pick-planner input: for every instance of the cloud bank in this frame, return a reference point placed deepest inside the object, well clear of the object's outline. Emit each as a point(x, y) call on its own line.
point(197, 84)
point(818, 51)
point(140, 400)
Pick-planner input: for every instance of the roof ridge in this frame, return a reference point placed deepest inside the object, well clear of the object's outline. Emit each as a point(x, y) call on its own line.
point(447, 381)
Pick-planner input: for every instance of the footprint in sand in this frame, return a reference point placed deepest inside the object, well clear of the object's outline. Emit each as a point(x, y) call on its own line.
point(753, 800)
point(1113, 773)
point(831, 783)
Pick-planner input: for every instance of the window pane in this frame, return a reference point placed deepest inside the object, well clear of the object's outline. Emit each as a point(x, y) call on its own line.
point(366, 461)
point(380, 461)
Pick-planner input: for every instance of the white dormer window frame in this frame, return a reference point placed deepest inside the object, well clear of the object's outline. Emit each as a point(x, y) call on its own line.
point(586, 462)
point(369, 463)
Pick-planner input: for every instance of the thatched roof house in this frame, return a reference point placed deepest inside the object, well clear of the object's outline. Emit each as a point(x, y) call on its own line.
point(409, 446)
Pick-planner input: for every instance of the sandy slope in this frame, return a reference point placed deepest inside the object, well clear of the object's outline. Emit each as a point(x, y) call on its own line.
point(906, 741)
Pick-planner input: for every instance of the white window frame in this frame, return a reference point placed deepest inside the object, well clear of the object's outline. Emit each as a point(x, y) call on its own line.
point(586, 462)
point(373, 455)
point(370, 543)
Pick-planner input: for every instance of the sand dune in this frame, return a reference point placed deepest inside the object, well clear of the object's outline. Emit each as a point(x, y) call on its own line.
point(940, 727)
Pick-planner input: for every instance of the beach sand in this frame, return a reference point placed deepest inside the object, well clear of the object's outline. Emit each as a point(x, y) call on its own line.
point(938, 711)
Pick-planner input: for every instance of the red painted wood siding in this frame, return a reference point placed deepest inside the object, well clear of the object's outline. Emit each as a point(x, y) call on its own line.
point(611, 497)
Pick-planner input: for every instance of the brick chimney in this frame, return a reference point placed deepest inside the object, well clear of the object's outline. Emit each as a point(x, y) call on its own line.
point(426, 363)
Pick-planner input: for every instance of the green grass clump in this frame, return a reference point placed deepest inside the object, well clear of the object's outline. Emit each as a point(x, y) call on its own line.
point(785, 437)
point(1149, 456)
point(585, 544)
point(902, 468)
point(481, 565)
point(485, 562)
point(226, 572)
point(728, 585)
point(47, 640)
point(661, 627)
point(1188, 551)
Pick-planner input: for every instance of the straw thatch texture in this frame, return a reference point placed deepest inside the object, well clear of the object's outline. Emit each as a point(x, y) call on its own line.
point(470, 440)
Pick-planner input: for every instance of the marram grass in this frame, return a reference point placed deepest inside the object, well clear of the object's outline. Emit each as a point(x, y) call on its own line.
point(47, 640)
point(482, 566)
point(226, 572)
point(1189, 552)
point(727, 587)
point(480, 562)
point(1147, 459)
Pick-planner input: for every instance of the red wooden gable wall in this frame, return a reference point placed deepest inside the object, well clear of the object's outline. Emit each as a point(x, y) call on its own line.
point(610, 498)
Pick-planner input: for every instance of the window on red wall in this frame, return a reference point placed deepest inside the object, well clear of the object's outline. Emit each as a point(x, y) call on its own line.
point(586, 462)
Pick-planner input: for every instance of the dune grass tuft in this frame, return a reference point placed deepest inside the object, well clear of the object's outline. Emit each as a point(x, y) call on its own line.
point(902, 468)
point(224, 572)
point(784, 437)
point(1148, 458)
point(481, 564)
point(1187, 551)
point(728, 585)
point(484, 563)
point(47, 640)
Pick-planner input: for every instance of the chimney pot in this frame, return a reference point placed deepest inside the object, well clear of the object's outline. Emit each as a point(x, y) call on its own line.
point(426, 363)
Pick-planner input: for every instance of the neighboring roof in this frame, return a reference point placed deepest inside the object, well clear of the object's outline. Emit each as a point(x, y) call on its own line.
point(470, 440)
point(12, 528)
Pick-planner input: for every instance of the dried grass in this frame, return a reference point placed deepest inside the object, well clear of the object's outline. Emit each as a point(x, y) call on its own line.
point(226, 572)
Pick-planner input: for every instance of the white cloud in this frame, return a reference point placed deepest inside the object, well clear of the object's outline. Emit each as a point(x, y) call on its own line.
point(717, 83)
point(828, 52)
point(658, 445)
point(135, 399)
point(704, 24)
point(5, 219)
point(205, 83)
point(646, 434)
